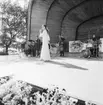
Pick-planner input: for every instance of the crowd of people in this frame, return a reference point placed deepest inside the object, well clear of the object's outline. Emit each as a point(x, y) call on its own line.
point(22, 93)
point(55, 96)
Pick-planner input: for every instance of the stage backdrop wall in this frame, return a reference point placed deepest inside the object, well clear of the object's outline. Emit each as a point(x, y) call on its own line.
point(78, 46)
point(75, 46)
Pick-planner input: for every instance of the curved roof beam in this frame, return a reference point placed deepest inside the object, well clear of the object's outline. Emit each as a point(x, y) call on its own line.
point(94, 17)
point(29, 17)
point(49, 10)
point(73, 9)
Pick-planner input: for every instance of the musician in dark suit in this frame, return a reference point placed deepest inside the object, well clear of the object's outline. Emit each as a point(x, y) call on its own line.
point(96, 45)
point(38, 46)
point(61, 45)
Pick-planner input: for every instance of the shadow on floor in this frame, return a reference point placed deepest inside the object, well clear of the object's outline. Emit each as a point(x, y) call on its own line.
point(79, 58)
point(67, 65)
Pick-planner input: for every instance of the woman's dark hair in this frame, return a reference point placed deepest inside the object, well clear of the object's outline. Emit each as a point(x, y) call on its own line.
point(46, 28)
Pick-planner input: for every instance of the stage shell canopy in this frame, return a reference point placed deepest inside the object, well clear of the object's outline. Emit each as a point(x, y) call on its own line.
point(74, 19)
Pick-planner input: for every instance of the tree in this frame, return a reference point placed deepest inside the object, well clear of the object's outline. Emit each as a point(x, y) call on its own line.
point(14, 23)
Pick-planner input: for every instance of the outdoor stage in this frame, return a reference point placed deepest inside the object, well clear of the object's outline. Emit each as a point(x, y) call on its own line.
point(81, 77)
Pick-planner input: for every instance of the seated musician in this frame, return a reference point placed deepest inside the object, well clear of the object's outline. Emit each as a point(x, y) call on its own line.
point(89, 44)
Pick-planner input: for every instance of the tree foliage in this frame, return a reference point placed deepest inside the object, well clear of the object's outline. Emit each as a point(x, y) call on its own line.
point(14, 22)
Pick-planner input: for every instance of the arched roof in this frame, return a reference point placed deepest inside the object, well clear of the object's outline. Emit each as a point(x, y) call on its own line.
point(66, 16)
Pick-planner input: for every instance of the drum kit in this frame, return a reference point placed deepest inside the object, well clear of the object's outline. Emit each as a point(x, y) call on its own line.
point(92, 49)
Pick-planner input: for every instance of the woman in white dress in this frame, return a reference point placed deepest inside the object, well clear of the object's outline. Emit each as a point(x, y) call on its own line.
point(45, 52)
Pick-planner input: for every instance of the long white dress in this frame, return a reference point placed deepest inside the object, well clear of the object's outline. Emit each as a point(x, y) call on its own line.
point(45, 52)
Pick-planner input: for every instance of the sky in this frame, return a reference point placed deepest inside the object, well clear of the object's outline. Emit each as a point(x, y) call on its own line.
point(21, 2)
